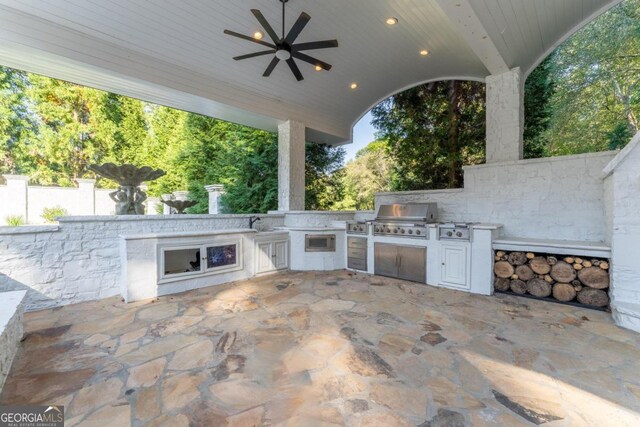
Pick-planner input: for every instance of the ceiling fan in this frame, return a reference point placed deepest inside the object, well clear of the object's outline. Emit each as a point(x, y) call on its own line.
point(284, 47)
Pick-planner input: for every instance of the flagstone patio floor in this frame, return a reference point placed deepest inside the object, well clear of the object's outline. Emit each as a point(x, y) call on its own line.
point(317, 348)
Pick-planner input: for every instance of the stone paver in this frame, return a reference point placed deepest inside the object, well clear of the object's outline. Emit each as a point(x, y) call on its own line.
point(328, 349)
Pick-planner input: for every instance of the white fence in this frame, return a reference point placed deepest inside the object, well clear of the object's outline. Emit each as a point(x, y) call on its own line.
point(29, 202)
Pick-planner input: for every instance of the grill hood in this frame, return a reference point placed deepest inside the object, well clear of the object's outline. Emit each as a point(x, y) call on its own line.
point(417, 212)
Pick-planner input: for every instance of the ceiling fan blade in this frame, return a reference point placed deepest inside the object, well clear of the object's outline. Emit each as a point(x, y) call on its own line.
point(271, 67)
point(313, 61)
point(325, 44)
point(297, 28)
point(265, 24)
point(251, 39)
point(253, 55)
point(294, 69)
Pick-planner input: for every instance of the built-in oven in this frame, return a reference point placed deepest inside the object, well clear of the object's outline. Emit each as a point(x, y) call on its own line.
point(320, 243)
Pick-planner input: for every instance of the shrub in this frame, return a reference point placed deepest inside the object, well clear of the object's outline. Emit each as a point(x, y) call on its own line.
point(15, 220)
point(50, 214)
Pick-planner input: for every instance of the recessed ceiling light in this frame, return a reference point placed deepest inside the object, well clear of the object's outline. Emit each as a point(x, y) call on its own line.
point(424, 52)
point(354, 86)
point(257, 35)
point(391, 21)
point(318, 68)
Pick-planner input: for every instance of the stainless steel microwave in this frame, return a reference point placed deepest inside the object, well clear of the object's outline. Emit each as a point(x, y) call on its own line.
point(320, 243)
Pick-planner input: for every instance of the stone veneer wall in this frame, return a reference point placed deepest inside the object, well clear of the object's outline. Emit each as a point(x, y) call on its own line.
point(622, 182)
point(11, 330)
point(551, 198)
point(79, 260)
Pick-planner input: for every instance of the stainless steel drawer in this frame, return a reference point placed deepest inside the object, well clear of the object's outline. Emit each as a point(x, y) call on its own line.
point(357, 264)
point(357, 242)
point(357, 253)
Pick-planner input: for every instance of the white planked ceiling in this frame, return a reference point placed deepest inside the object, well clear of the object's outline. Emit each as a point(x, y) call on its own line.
point(175, 52)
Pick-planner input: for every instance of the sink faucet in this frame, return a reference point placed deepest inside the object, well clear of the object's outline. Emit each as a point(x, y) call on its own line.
point(253, 220)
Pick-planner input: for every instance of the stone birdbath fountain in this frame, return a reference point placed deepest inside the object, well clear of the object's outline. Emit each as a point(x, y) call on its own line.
point(179, 205)
point(129, 197)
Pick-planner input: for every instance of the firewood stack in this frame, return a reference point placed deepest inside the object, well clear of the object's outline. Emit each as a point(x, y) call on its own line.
point(564, 278)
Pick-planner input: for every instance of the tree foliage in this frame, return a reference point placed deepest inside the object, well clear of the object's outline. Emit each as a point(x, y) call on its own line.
point(52, 130)
point(323, 176)
point(431, 131)
point(367, 174)
point(595, 74)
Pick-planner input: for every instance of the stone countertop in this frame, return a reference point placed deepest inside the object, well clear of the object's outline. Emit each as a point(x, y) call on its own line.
point(569, 244)
point(321, 229)
point(9, 301)
point(487, 226)
point(178, 234)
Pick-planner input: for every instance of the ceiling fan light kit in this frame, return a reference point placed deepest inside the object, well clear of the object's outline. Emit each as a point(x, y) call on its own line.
point(283, 48)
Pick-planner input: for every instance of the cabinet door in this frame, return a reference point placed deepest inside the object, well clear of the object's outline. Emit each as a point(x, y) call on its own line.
point(454, 265)
point(264, 257)
point(412, 264)
point(281, 254)
point(386, 260)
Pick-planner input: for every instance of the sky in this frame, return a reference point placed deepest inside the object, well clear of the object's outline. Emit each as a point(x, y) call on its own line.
point(363, 134)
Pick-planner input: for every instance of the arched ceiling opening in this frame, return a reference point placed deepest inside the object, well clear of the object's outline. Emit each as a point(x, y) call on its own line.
point(175, 53)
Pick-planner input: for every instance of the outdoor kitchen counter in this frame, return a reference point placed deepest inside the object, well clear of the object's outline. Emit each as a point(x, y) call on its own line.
point(309, 229)
point(174, 234)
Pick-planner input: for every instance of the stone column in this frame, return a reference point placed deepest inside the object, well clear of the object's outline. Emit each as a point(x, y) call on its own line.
point(291, 164)
point(16, 197)
point(215, 192)
point(86, 189)
point(505, 116)
point(166, 210)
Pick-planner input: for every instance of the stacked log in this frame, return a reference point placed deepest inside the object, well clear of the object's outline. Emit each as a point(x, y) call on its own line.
point(563, 278)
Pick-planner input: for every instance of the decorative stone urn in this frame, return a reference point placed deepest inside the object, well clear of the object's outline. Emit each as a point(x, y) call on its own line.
point(129, 197)
point(179, 205)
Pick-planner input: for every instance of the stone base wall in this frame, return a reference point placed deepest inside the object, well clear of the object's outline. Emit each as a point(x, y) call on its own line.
point(79, 259)
point(11, 329)
point(558, 198)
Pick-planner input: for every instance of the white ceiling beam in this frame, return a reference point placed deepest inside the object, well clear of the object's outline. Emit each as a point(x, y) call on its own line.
point(468, 25)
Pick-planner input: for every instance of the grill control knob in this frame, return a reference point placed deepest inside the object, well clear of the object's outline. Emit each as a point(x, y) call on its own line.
point(388, 230)
point(459, 234)
point(449, 233)
point(395, 230)
point(410, 231)
point(418, 232)
point(402, 230)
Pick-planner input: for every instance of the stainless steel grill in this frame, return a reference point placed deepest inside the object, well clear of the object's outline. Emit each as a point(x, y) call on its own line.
point(405, 220)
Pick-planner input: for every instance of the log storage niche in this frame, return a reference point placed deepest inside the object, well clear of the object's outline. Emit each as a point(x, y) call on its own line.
point(559, 278)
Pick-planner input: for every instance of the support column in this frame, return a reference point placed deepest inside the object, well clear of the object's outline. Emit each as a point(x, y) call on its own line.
point(505, 116)
point(86, 189)
point(16, 198)
point(215, 192)
point(166, 210)
point(291, 166)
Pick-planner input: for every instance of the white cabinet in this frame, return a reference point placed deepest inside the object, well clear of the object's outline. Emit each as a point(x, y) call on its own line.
point(455, 271)
point(272, 255)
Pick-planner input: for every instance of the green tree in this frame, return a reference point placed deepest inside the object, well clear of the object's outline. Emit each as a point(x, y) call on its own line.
point(538, 91)
point(323, 176)
point(596, 100)
point(367, 174)
point(66, 143)
point(431, 131)
point(17, 125)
